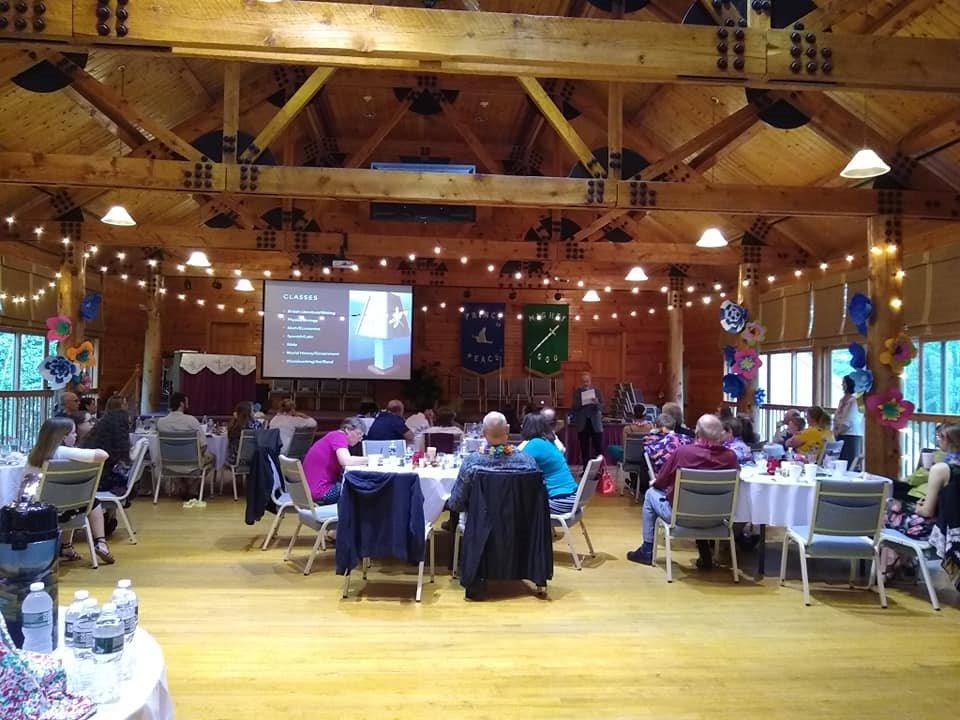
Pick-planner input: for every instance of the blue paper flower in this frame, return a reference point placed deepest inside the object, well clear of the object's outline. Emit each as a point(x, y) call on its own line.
point(759, 396)
point(90, 306)
point(734, 385)
point(858, 356)
point(733, 317)
point(729, 354)
point(861, 309)
point(862, 381)
point(57, 371)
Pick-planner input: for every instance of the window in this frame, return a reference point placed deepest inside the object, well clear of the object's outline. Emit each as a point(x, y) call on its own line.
point(932, 380)
point(20, 356)
point(787, 377)
point(839, 369)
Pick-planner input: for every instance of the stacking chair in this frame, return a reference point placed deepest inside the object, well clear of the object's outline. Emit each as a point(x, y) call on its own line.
point(847, 524)
point(181, 456)
point(470, 391)
point(327, 391)
point(703, 505)
point(634, 458)
point(354, 390)
point(136, 470)
point(518, 390)
point(316, 517)
point(541, 392)
point(246, 448)
point(301, 442)
point(71, 485)
point(492, 391)
point(281, 498)
point(443, 442)
point(585, 491)
point(382, 447)
point(920, 548)
point(831, 451)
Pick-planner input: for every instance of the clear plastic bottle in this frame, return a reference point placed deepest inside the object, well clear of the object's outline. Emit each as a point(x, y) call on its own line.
point(107, 651)
point(37, 614)
point(392, 455)
point(81, 680)
point(128, 609)
point(73, 612)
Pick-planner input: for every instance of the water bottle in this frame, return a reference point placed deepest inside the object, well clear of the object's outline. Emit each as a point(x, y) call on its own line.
point(37, 613)
point(73, 613)
point(128, 609)
point(107, 651)
point(80, 681)
point(392, 455)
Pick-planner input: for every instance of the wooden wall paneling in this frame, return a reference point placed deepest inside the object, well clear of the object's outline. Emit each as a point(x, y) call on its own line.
point(703, 342)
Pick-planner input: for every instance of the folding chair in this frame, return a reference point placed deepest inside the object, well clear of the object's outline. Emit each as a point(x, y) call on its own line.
point(301, 442)
point(703, 504)
point(118, 501)
point(316, 517)
point(281, 498)
point(246, 448)
point(71, 485)
point(181, 456)
point(443, 442)
point(585, 491)
point(847, 524)
point(633, 458)
point(918, 548)
point(831, 450)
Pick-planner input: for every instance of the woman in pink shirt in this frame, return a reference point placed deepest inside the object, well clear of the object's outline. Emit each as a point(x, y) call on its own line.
point(327, 458)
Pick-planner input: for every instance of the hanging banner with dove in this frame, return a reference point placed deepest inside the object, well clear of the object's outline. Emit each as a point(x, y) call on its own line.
point(546, 332)
point(481, 337)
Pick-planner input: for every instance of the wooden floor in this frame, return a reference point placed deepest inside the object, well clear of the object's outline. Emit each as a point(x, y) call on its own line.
point(247, 636)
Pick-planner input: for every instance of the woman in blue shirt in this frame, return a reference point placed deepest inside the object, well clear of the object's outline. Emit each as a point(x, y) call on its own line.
point(561, 487)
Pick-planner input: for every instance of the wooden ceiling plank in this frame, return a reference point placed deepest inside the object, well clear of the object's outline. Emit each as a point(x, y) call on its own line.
point(103, 115)
point(364, 152)
point(932, 134)
point(898, 16)
point(489, 163)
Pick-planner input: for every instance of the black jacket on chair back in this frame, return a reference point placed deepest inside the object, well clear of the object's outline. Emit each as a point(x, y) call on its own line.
point(507, 535)
point(264, 470)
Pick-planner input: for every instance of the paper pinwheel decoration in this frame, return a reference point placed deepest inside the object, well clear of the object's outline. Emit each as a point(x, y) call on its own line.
point(862, 381)
point(858, 356)
point(734, 385)
point(893, 411)
point(754, 333)
point(732, 316)
point(900, 352)
point(82, 354)
point(90, 306)
point(729, 354)
point(747, 363)
point(860, 308)
point(57, 371)
point(58, 327)
point(759, 396)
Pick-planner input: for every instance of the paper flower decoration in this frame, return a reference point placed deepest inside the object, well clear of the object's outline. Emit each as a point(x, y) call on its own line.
point(58, 327)
point(862, 381)
point(746, 363)
point(759, 396)
point(893, 411)
point(858, 356)
point(899, 353)
point(90, 306)
point(754, 333)
point(732, 316)
point(729, 353)
point(860, 308)
point(734, 385)
point(57, 371)
point(82, 354)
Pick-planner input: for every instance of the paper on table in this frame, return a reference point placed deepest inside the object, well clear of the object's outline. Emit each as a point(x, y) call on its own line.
point(588, 397)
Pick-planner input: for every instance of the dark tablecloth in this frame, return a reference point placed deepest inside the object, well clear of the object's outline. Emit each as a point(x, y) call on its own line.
point(612, 435)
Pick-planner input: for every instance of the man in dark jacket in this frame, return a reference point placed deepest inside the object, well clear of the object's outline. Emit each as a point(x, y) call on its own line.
point(587, 407)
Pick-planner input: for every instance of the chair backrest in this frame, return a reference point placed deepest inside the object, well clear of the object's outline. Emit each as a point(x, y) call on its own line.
point(831, 450)
point(842, 507)
point(491, 386)
point(704, 498)
point(650, 412)
point(651, 473)
point(296, 483)
point(301, 442)
point(330, 388)
point(518, 387)
point(633, 450)
point(246, 447)
point(69, 484)
point(588, 483)
point(180, 449)
point(281, 386)
point(382, 447)
point(469, 386)
point(443, 442)
point(307, 387)
point(136, 466)
point(356, 388)
point(540, 387)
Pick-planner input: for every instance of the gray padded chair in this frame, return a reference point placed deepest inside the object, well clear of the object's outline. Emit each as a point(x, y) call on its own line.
point(831, 451)
point(847, 525)
point(316, 517)
point(181, 456)
point(382, 447)
point(246, 448)
point(301, 442)
point(634, 459)
point(72, 485)
point(585, 490)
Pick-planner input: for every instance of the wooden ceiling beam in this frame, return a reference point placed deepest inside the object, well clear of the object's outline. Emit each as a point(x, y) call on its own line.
point(15, 61)
point(489, 163)
point(231, 111)
point(933, 134)
point(901, 14)
point(363, 153)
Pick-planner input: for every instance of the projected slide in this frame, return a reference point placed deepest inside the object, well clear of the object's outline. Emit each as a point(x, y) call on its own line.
point(326, 330)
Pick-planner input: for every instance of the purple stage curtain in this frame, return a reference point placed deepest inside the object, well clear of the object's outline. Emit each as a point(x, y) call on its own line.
point(612, 435)
point(212, 394)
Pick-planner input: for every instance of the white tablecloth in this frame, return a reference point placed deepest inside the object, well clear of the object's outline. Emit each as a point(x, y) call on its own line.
point(10, 478)
point(216, 446)
point(435, 484)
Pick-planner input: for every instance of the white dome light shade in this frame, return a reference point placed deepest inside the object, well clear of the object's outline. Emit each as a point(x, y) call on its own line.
point(198, 258)
point(591, 296)
point(712, 238)
point(865, 164)
point(243, 285)
point(636, 274)
point(118, 215)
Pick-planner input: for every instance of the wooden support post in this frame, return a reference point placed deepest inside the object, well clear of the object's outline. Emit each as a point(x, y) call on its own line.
point(885, 260)
point(615, 131)
point(748, 295)
point(231, 111)
point(152, 361)
point(71, 279)
point(675, 348)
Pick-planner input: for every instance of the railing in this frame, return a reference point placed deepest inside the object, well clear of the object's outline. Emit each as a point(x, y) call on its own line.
point(22, 412)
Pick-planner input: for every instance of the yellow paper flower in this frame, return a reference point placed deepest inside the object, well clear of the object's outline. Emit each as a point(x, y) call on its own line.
point(82, 354)
point(900, 352)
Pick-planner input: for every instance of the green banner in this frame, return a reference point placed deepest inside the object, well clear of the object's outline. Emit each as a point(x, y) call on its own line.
point(546, 333)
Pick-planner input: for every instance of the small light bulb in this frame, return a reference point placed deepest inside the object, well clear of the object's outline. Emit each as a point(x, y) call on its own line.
point(823, 266)
point(490, 268)
point(240, 311)
point(664, 289)
point(94, 249)
point(546, 281)
point(124, 277)
point(518, 275)
point(460, 309)
point(900, 274)
point(411, 257)
point(746, 283)
point(65, 241)
point(633, 313)
point(38, 231)
point(142, 283)
point(424, 308)
point(580, 283)
point(11, 219)
point(575, 317)
point(201, 302)
point(208, 271)
point(896, 303)
point(596, 317)
point(798, 272)
point(689, 303)
point(849, 258)
point(383, 262)
point(237, 272)
point(607, 288)
point(652, 311)
point(181, 296)
point(181, 268)
point(707, 299)
point(326, 271)
point(876, 250)
point(152, 262)
point(267, 273)
point(123, 256)
point(635, 290)
point(892, 248)
point(613, 315)
point(221, 306)
point(437, 249)
point(297, 273)
point(723, 294)
point(162, 291)
point(519, 316)
point(690, 288)
point(260, 313)
point(443, 305)
point(718, 287)
point(770, 278)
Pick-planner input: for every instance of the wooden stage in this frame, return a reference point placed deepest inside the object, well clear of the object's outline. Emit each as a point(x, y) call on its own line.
point(247, 636)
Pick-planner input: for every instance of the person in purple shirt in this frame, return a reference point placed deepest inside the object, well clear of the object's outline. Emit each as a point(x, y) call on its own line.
point(733, 440)
point(390, 425)
point(326, 459)
point(706, 453)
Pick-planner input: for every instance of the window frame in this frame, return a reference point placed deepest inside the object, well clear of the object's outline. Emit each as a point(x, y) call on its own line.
point(764, 382)
point(18, 335)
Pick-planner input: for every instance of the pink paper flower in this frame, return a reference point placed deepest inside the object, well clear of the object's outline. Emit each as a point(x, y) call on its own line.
point(58, 328)
point(754, 333)
point(746, 363)
point(893, 411)
point(900, 352)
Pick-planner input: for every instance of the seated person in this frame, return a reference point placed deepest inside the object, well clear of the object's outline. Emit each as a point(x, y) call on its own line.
point(325, 460)
point(748, 433)
point(784, 429)
point(179, 421)
point(550, 422)
point(56, 441)
point(287, 420)
point(733, 440)
point(672, 408)
point(561, 486)
point(444, 425)
point(389, 424)
point(706, 453)
point(71, 406)
point(663, 441)
point(811, 440)
point(420, 421)
point(112, 433)
point(498, 455)
point(242, 419)
point(639, 426)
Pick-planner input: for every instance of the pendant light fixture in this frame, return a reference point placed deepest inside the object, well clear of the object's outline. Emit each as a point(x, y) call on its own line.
point(118, 215)
point(865, 163)
point(712, 237)
point(591, 296)
point(243, 285)
point(198, 258)
point(636, 274)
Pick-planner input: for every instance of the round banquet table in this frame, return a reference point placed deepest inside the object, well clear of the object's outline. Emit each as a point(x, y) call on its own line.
point(216, 446)
point(10, 478)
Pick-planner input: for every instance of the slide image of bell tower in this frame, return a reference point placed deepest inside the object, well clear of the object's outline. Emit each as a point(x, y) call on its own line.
point(382, 319)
